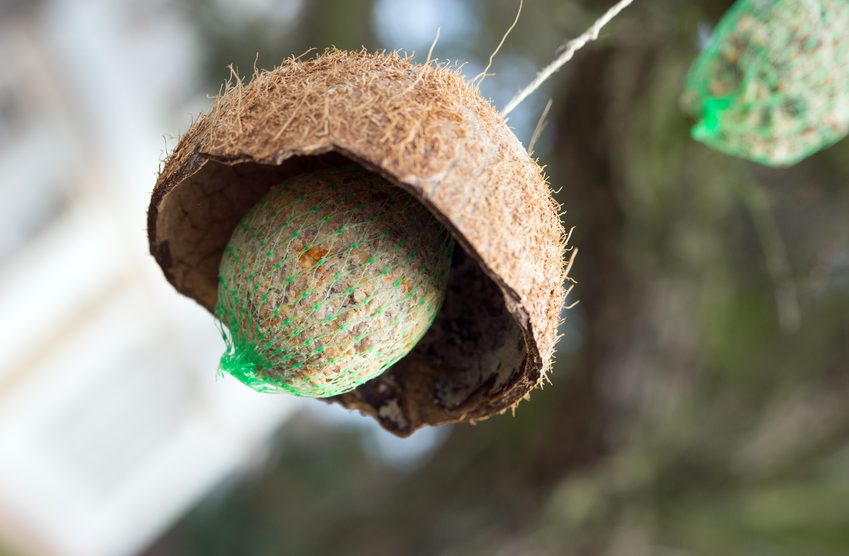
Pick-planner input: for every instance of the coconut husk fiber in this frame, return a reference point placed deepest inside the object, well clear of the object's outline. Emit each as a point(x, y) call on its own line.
point(427, 131)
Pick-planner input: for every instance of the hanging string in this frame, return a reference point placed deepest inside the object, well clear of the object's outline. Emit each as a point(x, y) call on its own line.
point(569, 50)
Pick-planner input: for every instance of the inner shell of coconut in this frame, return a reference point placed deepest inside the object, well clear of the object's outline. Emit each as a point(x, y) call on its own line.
point(470, 353)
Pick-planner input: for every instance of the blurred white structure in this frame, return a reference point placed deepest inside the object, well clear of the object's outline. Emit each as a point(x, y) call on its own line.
point(112, 418)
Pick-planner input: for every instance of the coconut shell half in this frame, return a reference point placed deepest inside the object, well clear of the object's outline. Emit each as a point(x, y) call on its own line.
point(426, 130)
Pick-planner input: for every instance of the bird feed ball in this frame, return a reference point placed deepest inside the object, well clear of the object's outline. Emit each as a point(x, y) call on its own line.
point(772, 85)
point(329, 280)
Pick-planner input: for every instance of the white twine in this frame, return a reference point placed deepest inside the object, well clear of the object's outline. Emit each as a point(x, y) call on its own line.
point(571, 47)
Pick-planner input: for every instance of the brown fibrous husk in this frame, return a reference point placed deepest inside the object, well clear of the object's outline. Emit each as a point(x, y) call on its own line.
point(428, 131)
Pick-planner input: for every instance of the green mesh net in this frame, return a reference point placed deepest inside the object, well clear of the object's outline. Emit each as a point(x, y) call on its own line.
point(330, 279)
point(773, 83)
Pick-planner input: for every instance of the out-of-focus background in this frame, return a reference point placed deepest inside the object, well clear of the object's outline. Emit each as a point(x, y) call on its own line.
point(700, 400)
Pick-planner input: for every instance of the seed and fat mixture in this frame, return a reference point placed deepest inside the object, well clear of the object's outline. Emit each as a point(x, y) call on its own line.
point(330, 279)
point(773, 83)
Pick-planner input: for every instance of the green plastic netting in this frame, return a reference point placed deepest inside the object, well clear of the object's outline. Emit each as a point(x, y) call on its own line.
point(772, 85)
point(330, 279)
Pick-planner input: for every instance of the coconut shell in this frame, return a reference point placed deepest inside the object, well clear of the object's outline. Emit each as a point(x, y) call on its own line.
point(426, 130)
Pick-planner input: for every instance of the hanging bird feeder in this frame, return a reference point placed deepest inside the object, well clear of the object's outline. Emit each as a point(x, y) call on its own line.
point(368, 230)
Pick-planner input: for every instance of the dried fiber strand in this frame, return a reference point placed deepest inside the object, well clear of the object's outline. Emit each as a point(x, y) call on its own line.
point(482, 75)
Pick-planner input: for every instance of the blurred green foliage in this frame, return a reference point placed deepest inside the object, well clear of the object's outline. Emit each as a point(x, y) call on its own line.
point(700, 404)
